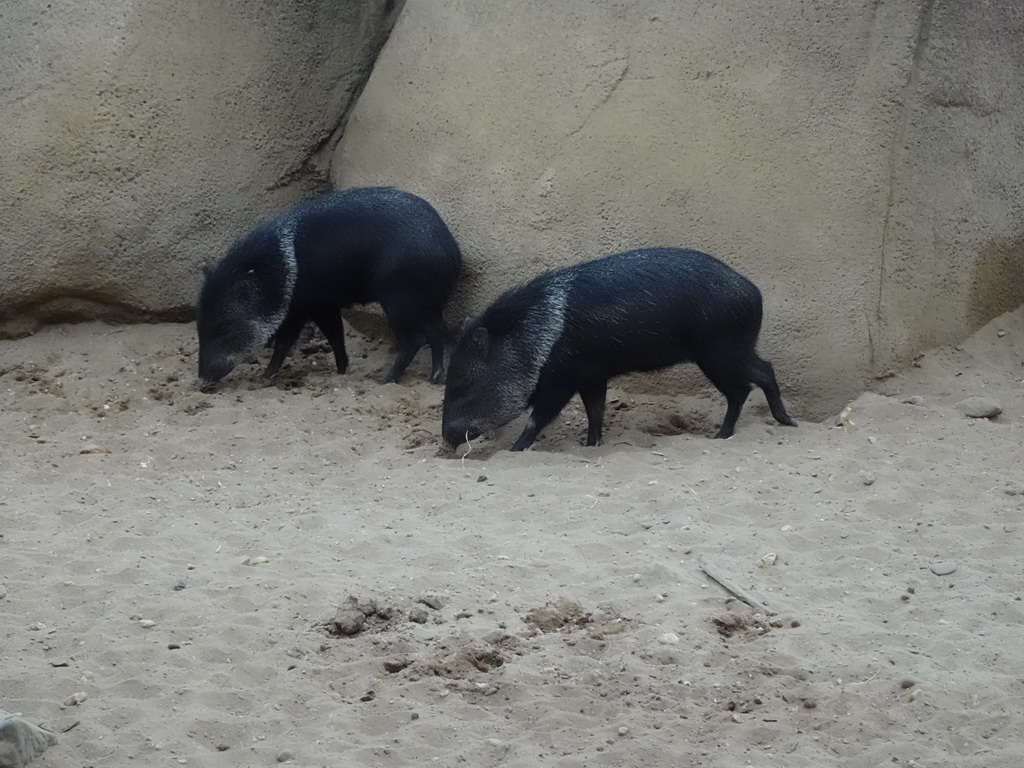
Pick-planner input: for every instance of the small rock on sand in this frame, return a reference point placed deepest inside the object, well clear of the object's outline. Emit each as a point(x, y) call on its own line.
point(431, 600)
point(76, 698)
point(943, 567)
point(979, 407)
point(348, 621)
point(418, 615)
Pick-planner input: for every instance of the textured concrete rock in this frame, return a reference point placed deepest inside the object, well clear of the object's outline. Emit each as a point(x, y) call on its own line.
point(979, 407)
point(21, 741)
point(140, 138)
point(858, 160)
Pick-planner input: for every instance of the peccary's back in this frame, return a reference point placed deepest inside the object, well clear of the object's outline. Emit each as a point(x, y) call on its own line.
point(356, 245)
point(663, 288)
point(640, 310)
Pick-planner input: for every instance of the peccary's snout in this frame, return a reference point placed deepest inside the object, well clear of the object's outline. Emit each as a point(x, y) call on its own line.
point(212, 370)
point(457, 435)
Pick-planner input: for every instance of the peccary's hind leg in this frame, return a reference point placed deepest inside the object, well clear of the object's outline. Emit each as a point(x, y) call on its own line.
point(433, 329)
point(728, 376)
point(404, 316)
point(329, 323)
point(763, 375)
point(548, 402)
point(408, 346)
point(594, 395)
point(284, 340)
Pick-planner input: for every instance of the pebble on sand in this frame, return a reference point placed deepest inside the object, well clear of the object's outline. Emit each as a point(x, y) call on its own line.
point(943, 567)
point(348, 621)
point(434, 601)
point(75, 699)
point(418, 616)
point(284, 756)
point(979, 407)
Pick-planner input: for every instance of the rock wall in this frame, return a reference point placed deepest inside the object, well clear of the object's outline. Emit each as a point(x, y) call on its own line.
point(860, 161)
point(141, 137)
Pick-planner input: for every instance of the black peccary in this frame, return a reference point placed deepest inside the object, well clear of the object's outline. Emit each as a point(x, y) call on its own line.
point(572, 329)
point(371, 244)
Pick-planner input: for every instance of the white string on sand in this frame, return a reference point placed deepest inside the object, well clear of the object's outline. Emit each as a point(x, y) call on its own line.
point(470, 444)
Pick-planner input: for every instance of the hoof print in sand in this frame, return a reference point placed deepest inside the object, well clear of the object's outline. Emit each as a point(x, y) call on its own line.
point(356, 616)
point(744, 626)
point(472, 659)
point(566, 615)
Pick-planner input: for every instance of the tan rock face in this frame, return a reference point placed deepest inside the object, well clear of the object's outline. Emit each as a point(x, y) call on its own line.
point(141, 138)
point(861, 163)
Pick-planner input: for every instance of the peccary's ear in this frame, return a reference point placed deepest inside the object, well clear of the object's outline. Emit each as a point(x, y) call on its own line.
point(465, 324)
point(249, 277)
point(479, 342)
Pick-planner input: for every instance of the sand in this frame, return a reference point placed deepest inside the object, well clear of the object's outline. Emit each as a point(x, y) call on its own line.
point(178, 560)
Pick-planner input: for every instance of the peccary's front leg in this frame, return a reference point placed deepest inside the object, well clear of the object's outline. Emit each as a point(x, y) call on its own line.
point(284, 340)
point(547, 404)
point(594, 395)
point(408, 346)
point(329, 323)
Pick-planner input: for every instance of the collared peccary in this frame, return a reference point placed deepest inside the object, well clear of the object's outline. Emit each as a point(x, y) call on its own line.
point(572, 329)
point(371, 244)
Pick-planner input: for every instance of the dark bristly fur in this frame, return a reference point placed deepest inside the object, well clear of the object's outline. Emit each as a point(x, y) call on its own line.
point(363, 245)
point(571, 330)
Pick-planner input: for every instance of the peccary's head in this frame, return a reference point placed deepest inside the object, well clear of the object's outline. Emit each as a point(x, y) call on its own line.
point(243, 301)
point(485, 388)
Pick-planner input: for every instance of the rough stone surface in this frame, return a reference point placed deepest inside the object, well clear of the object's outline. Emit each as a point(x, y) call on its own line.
point(859, 161)
point(349, 621)
point(979, 407)
point(21, 741)
point(140, 138)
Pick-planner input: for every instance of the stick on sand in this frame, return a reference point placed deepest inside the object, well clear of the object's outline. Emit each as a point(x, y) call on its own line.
point(719, 575)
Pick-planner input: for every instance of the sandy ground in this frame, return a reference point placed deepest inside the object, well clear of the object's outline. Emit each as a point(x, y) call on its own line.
point(179, 558)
